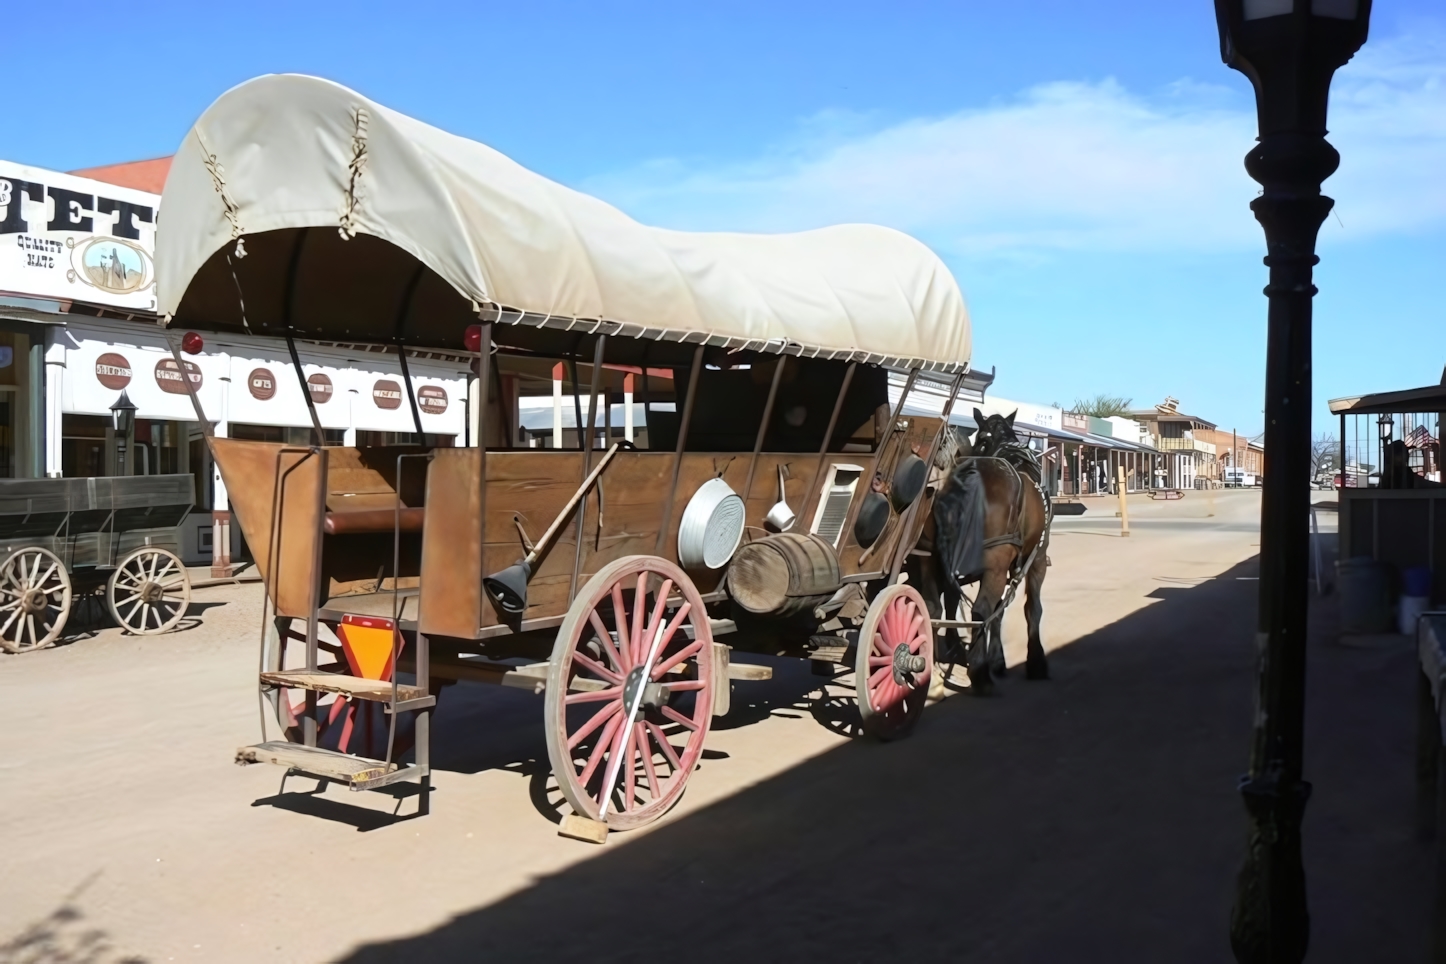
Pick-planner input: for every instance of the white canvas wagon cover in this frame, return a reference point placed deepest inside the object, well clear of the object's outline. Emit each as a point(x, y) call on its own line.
point(279, 157)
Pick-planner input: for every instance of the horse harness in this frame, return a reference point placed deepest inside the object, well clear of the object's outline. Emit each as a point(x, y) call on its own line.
point(1010, 452)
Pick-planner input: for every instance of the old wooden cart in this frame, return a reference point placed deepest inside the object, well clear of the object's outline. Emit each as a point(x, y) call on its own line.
point(740, 465)
point(66, 539)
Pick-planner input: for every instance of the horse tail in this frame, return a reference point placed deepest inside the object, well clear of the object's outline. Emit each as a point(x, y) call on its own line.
point(959, 510)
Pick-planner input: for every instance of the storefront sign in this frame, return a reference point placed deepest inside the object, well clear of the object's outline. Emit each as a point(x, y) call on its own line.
point(320, 388)
point(432, 399)
point(69, 237)
point(387, 394)
point(113, 371)
point(168, 376)
point(261, 384)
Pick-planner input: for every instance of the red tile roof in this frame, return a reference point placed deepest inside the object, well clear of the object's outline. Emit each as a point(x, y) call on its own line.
point(139, 175)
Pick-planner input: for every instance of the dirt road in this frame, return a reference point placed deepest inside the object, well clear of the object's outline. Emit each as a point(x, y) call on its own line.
point(123, 818)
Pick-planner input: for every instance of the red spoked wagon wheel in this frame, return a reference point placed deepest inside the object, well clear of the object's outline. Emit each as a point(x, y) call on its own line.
point(629, 693)
point(894, 662)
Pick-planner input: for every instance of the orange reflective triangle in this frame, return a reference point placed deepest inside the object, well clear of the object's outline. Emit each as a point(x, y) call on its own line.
point(367, 642)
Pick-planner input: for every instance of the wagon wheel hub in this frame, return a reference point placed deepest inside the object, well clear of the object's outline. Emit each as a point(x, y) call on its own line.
point(151, 592)
point(35, 600)
point(653, 693)
point(907, 665)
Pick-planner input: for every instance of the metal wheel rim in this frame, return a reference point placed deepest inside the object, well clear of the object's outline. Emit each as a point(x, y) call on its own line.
point(149, 592)
point(22, 628)
point(581, 745)
point(896, 616)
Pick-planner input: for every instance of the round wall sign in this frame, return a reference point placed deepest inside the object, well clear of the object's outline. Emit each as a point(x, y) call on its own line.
point(168, 376)
point(387, 394)
point(113, 371)
point(432, 399)
point(320, 387)
point(261, 383)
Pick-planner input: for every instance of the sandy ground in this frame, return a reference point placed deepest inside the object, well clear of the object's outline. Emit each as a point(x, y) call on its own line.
point(128, 832)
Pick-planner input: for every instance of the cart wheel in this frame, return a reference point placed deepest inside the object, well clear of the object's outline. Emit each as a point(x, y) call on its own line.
point(618, 652)
point(149, 591)
point(34, 599)
point(895, 662)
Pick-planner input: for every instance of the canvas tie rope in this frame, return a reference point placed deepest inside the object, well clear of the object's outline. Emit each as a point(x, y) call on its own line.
point(217, 170)
point(360, 118)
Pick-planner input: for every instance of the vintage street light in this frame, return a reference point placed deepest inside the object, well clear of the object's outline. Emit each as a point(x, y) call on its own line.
point(1386, 426)
point(1289, 49)
point(122, 418)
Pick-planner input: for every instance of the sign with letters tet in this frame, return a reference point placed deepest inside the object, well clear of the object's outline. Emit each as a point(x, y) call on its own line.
point(75, 239)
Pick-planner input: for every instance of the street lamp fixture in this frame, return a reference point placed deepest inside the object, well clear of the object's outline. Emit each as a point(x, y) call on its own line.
point(1386, 426)
point(1290, 49)
point(122, 419)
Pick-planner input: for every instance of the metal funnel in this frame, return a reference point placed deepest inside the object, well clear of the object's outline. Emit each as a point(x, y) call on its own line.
point(508, 589)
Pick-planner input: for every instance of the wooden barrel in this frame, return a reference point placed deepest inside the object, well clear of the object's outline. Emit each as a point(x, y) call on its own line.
point(784, 574)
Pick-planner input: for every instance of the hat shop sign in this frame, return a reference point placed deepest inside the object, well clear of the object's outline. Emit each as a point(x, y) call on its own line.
point(73, 238)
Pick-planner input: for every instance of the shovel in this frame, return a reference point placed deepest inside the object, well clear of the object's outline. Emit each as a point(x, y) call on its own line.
point(508, 588)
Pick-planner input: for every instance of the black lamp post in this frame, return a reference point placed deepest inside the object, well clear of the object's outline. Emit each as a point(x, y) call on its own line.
point(122, 418)
point(1289, 49)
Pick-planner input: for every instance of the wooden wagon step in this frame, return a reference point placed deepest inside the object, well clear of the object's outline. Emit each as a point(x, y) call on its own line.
point(353, 686)
point(359, 773)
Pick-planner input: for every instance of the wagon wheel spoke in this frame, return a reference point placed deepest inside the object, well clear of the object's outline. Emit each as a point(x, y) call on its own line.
point(620, 618)
point(678, 718)
point(597, 720)
point(639, 613)
point(598, 749)
point(596, 696)
point(661, 738)
point(629, 771)
point(640, 737)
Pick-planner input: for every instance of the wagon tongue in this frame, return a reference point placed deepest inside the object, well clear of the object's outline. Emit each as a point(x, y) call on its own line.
point(508, 589)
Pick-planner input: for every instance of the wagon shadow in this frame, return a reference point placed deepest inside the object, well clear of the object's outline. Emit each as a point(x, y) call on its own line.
point(314, 803)
point(1091, 817)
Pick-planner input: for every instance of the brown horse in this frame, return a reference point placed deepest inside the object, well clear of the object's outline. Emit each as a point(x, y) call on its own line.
point(989, 520)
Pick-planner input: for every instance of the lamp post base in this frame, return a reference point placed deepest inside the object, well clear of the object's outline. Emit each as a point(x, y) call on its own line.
point(1270, 922)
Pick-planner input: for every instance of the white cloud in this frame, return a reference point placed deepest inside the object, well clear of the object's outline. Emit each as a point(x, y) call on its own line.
point(1388, 120)
point(1071, 166)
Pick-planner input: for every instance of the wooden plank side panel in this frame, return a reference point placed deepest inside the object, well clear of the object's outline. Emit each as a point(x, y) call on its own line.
point(250, 471)
point(530, 487)
point(452, 602)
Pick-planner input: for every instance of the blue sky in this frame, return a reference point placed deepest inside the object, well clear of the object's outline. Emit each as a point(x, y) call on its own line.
point(1079, 169)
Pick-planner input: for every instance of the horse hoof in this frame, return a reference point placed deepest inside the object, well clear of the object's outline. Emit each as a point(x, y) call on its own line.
point(980, 682)
point(936, 690)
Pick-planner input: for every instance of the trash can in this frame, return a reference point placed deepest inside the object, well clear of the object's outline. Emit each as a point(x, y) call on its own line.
point(1415, 598)
point(1365, 596)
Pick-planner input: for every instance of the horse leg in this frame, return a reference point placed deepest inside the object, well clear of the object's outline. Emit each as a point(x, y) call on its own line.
point(986, 601)
point(995, 640)
point(1036, 664)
